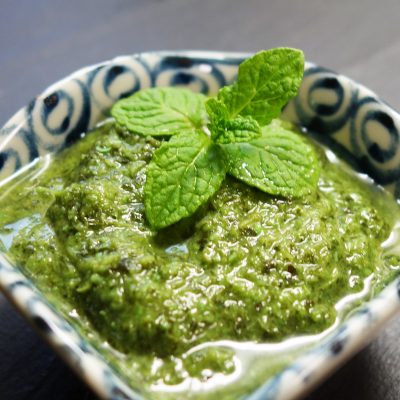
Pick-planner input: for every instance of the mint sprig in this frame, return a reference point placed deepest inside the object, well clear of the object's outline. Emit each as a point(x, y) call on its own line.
point(234, 132)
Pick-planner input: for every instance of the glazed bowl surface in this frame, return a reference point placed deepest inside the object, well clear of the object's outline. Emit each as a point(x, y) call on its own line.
point(342, 114)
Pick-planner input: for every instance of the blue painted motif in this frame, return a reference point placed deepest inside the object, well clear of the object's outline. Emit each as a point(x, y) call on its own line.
point(49, 107)
point(315, 109)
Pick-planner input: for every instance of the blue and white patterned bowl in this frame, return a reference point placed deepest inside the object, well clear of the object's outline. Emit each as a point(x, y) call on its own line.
point(344, 115)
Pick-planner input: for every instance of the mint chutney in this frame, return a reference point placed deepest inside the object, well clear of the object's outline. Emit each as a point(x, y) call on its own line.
point(246, 267)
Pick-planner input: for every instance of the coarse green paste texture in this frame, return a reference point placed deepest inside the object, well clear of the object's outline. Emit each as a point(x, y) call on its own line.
point(246, 267)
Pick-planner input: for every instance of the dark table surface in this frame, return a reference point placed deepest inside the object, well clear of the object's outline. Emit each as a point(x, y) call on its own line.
point(43, 40)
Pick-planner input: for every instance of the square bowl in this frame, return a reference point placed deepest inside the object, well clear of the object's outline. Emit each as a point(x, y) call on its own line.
point(340, 113)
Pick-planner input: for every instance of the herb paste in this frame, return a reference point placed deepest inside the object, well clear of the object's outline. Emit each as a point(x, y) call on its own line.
point(247, 266)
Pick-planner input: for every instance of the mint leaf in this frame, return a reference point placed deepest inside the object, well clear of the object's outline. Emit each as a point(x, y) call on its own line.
point(161, 111)
point(265, 83)
point(183, 174)
point(280, 162)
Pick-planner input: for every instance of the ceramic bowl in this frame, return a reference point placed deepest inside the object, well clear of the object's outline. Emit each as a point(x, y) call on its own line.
point(342, 114)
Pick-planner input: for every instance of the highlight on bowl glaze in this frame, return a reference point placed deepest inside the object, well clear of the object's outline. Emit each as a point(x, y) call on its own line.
point(344, 115)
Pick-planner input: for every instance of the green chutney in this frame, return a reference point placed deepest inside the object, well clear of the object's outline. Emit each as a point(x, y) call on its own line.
point(246, 267)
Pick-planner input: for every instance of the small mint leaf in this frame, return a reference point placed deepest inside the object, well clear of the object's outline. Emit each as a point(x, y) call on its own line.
point(217, 115)
point(226, 130)
point(265, 83)
point(280, 162)
point(216, 110)
point(239, 129)
point(182, 175)
point(161, 111)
